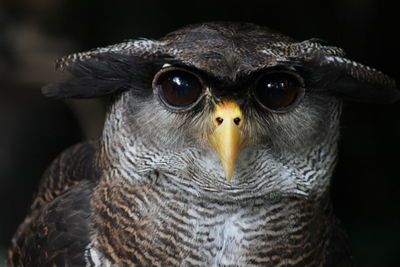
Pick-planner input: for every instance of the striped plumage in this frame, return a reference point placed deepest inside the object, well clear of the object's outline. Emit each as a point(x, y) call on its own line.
point(152, 191)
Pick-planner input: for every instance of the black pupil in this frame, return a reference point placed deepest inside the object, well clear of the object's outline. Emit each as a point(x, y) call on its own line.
point(277, 90)
point(180, 88)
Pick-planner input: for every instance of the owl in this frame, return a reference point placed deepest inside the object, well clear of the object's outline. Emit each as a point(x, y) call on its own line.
point(217, 150)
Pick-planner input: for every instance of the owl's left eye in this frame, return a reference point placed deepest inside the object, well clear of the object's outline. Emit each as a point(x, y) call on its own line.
point(278, 91)
point(178, 89)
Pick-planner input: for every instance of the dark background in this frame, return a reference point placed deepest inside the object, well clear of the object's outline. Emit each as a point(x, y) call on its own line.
point(33, 130)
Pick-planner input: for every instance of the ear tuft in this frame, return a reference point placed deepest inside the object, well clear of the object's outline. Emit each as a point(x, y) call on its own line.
point(349, 88)
point(105, 71)
point(346, 78)
point(103, 75)
point(362, 83)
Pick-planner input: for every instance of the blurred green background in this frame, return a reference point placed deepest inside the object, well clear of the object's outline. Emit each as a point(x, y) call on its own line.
point(33, 33)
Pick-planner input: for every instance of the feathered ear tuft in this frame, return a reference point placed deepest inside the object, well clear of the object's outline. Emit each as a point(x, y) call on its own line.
point(99, 76)
point(358, 82)
point(95, 77)
point(106, 71)
point(347, 79)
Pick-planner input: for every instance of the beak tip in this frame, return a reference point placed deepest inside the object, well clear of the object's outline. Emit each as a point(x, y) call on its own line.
point(229, 173)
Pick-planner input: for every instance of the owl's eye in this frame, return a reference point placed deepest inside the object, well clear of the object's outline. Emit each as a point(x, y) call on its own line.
point(278, 91)
point(178, 89)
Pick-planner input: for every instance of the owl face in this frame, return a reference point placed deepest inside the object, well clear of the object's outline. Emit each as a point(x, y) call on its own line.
point(225, 105)
point(272, 109)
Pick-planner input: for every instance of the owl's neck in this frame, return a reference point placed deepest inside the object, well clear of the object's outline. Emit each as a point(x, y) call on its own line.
point(271, 230)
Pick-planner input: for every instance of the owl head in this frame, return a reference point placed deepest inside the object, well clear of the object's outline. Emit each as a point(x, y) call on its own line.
point(235, 101)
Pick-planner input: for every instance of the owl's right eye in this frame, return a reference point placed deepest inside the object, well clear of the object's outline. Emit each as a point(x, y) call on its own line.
point(178, 89)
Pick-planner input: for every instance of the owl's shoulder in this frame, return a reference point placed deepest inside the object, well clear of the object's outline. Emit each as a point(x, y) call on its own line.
point(74, 165)
point(57, 230)
point(57, 233)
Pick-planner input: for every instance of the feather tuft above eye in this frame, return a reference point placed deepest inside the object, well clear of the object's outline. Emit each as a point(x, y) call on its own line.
point(105, 74)
point(345, 78)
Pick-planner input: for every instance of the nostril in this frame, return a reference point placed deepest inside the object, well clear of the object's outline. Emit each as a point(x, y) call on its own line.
point(236, 121)
point(219, 120)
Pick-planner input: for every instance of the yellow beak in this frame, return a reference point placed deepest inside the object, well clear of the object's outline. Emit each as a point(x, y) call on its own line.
point(226, 137)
